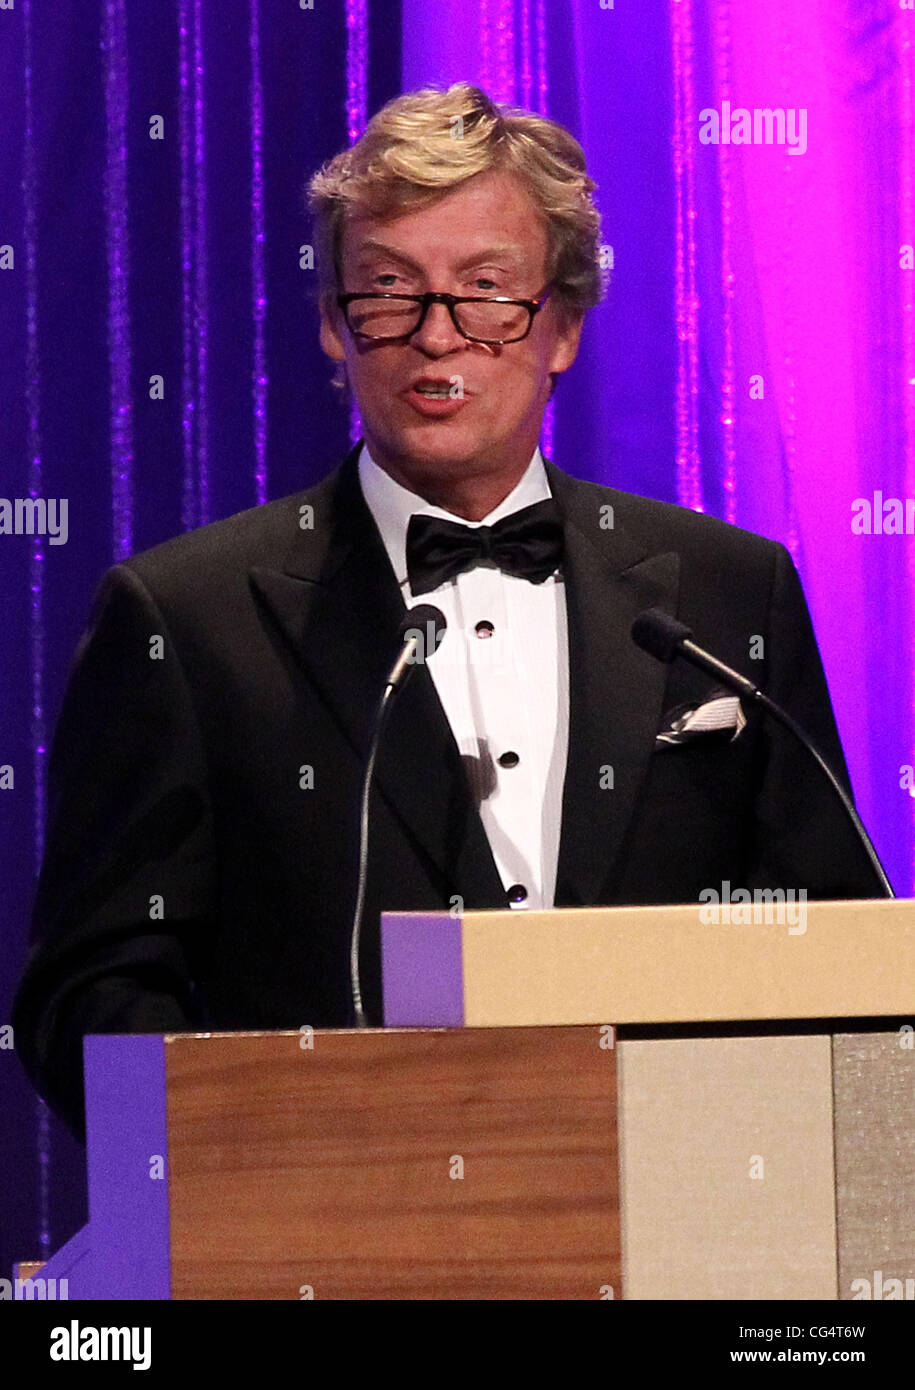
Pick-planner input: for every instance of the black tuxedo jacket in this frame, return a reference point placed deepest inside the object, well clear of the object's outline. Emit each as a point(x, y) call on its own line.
point(204, 779)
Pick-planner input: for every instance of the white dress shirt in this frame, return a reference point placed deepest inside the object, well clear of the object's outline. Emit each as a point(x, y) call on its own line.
point(506, 695)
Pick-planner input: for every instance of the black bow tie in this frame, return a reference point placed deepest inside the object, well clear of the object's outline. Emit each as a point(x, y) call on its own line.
point(527, 544)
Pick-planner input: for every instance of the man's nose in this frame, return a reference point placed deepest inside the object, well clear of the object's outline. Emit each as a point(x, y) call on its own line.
point(438, 334)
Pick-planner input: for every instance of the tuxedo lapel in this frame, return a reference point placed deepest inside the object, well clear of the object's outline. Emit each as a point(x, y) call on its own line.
point(615, 690)
point(337, 601)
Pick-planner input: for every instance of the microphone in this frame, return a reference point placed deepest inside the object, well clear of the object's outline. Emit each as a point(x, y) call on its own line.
point(663, 637)
point(420, 636)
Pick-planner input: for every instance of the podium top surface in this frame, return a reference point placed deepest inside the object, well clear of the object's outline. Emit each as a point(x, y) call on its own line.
point(712, 961)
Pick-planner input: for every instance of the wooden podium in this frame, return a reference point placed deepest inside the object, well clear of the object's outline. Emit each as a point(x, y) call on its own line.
point(594, 1103)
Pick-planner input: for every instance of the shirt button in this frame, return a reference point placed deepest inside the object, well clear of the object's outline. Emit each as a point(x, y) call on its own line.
point(484, 628)
point(509, 759)
point(517, 893)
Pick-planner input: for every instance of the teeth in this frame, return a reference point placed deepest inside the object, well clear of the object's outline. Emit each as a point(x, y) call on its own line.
point(433, 395)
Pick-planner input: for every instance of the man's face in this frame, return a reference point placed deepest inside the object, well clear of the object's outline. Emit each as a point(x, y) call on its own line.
point(482, 238)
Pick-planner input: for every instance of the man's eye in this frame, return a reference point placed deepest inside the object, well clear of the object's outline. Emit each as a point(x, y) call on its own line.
point(483, 282)
point(387, 276)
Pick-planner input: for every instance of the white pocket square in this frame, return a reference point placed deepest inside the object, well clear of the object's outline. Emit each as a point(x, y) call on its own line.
point(688, 722)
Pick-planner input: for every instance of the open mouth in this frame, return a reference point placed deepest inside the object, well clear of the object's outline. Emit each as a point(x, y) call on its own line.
point(433, 399)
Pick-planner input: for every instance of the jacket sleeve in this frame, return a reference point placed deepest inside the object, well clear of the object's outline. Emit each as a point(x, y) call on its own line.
point(125, 905)
point(803, 836)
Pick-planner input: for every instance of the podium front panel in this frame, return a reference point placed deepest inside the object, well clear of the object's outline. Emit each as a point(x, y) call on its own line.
point(421, 1164)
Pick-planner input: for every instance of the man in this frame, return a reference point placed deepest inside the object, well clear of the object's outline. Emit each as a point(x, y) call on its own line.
point(201, 860)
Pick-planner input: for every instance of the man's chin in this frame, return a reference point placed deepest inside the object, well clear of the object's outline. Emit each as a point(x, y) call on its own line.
point(431, 448)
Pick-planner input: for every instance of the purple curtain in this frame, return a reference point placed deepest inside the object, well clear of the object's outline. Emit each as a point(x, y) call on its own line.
point(160, 361)
point(755, 355)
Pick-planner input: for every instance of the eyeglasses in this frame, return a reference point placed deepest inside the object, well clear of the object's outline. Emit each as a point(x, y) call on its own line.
point(388, 316)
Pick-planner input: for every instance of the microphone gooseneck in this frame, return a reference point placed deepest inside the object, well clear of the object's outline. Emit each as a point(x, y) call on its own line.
point(421, 631)
point(663, 637)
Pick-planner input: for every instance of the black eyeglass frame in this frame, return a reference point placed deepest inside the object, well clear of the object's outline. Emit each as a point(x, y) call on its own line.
point(533, 307)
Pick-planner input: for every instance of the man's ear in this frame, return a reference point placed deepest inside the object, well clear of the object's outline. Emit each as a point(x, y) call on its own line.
point(568, 336)
point(331, 324)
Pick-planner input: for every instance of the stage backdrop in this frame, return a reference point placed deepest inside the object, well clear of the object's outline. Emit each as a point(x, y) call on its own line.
point(754, 356)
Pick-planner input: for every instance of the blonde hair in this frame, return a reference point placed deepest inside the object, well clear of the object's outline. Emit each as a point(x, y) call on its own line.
point(424, 143)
